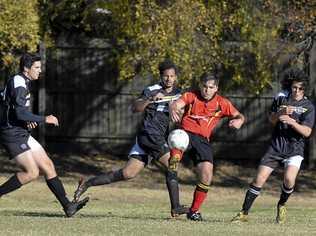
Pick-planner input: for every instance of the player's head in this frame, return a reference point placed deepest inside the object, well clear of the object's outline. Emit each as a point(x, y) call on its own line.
point(30, 65)
point(289, 74)
point(208, 85)
point(168, 73)
point(299, 86)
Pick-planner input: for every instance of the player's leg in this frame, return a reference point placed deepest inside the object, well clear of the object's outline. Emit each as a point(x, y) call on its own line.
point(205, 173)
point(129, 171)
point(173, 187)
point(202, 155)
point(253, 192)
point(19, 151)
point(292, 167)
point(28, 173)
point(46, 166)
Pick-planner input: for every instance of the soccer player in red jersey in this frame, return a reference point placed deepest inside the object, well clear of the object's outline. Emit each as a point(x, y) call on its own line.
point(203, 110)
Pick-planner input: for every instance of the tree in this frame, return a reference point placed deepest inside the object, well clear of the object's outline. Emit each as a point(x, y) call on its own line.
point(19, 29)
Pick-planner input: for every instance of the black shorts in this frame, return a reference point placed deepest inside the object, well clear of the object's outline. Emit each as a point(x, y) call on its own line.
point(273, 160)
point(199, 149)
point(149, 147)
point(15, 140)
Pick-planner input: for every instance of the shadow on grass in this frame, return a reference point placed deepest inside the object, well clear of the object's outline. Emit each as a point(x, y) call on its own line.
point(32, 214)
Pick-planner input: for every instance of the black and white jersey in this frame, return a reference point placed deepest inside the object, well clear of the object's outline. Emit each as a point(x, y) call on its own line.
point(287, 142)
point(156, 115)
point(17, 94)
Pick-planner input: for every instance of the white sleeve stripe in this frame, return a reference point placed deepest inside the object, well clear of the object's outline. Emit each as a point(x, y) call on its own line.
point(18, 81)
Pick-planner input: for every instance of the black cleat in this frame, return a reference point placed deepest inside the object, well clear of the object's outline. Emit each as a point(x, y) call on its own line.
point(195, 216)
point(75, 206)
point(82, 187)
point(180, 210)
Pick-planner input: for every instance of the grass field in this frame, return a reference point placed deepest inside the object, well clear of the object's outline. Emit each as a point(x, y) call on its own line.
point(121, 210)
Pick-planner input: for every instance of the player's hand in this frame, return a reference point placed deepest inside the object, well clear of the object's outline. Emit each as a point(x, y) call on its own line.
point(235, 123)
point(286, 110)
point(175, 114)
point(32, 125)
point(286, 119)
point(51, 120)
point(158, 96)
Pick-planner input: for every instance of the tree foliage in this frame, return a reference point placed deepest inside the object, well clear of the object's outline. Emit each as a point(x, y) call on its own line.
point(243, 39)
point(19, 29)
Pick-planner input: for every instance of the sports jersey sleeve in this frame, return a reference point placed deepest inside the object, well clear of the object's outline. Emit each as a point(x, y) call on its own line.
point(188, 97)
point(309, 116)
point(19, 100)
point(228, 108)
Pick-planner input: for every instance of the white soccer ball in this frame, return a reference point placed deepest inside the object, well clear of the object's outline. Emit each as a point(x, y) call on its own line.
point(178, 139)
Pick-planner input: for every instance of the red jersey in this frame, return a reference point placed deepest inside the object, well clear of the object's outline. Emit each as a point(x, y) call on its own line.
point(201, 116)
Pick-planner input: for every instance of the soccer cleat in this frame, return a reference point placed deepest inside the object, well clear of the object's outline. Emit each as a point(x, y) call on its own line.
point(74, 206)
point(180, 210)
point(174, 162)
point(281, 214)
point(82, 187)
point(240, 217)
point(194, 215)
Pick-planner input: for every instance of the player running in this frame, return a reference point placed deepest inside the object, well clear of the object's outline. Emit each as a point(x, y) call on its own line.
point(293, 117)
point(15, 126)
point(151, 140)
point(203, 110)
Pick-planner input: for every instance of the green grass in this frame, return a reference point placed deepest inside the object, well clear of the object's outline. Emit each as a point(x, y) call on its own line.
point(120, 210)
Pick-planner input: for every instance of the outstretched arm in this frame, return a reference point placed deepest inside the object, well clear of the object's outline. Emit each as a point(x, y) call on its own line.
point(141, 103)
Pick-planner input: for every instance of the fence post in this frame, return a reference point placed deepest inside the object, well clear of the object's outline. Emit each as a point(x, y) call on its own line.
point(42, 93)
point(312, 85)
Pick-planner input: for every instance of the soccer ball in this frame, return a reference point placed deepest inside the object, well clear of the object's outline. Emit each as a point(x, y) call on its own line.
point(178, 139)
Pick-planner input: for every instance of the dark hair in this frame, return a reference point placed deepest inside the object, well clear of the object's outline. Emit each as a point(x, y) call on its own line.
point(209, 76)
point(167, 64)
point(28, 59)
point(291, 74)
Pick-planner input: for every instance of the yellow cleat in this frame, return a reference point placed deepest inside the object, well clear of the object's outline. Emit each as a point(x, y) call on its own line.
point(174, 162)
point(240, 217)
point(281, 214)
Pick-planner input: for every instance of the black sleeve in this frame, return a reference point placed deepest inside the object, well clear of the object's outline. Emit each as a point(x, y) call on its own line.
point(22, 112)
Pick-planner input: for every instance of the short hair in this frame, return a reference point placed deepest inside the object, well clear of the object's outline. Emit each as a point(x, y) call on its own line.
point(167, 64)
point(290, 74)
point(28, 59)
point(209, 76)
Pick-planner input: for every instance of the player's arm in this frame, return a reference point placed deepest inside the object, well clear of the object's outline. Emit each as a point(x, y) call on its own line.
point(274, 116)
point(300, 128)
point(141, 103)
point(176, 110)
point(237, 120)
point(22, 112)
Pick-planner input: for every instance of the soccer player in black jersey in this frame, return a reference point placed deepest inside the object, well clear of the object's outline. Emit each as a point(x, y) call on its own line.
point(151, 140)
point(17, 121)
point(293, 117)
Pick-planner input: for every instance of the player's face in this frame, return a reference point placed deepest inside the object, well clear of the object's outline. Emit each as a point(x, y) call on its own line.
point(169, 78)
point(297, 90)
point(208, 89)
point(35, 70)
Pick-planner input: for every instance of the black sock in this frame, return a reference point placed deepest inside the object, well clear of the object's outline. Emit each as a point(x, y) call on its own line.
point(173, 188)
point(56, 186)
point(10, 185)
point(111, 177)
point(252, 193)
point(285, 194)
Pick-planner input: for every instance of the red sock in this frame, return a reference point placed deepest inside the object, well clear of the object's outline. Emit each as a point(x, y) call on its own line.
point(198, 198)
point(176, 153)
